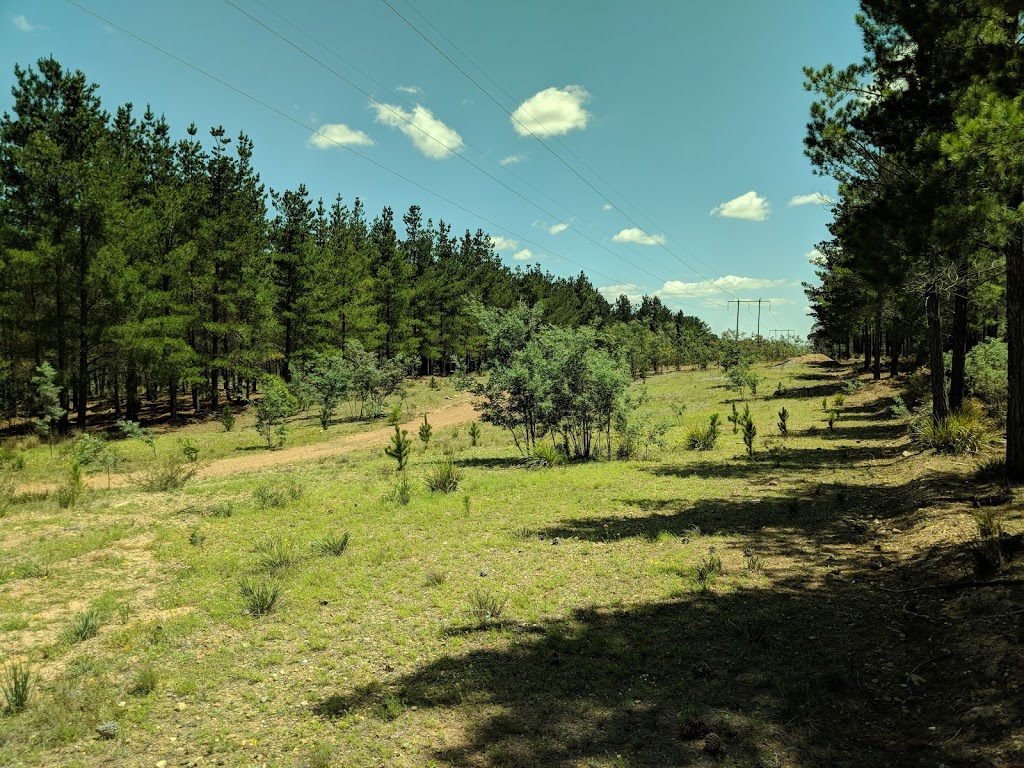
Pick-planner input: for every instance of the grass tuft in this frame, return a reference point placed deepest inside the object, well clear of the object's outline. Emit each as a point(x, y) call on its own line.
point(485, 606)
point(84, 626)
point(332, 545)
point(259, 595)
point(17, 686)
point(277, 554)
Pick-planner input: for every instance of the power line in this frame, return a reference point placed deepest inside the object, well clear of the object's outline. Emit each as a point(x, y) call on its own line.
point(538, 138)
point(450, 149)
point(305, 128)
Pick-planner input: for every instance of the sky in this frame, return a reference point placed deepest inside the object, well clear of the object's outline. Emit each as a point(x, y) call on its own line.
point(655, 145)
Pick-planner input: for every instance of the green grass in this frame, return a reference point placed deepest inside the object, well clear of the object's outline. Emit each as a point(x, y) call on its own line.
point(455, 630)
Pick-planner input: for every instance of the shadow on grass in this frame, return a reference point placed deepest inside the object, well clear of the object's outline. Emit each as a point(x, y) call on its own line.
point(792, 672)
point(491, 462)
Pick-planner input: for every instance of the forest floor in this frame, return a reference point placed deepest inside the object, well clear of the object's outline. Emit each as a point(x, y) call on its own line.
point(817, 604)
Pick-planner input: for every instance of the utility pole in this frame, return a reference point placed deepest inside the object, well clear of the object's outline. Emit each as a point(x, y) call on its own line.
point(748, 301)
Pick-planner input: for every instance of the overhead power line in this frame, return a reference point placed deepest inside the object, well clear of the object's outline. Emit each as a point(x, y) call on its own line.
point(306, 129)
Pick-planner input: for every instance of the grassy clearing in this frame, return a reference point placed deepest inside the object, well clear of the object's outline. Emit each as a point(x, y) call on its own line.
point(592, 614)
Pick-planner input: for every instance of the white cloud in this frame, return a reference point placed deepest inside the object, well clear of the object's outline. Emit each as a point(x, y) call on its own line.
point(413, 90)
point(512, 159)
point(525, 255)
point(330, 135)
point(638, 236)
point(428, 134)
point(552, 112)
point(504, 243)
point(607, 207)
point(815, 256)
point(24, 25)
point(632, 291)
point(559, 227)
point(750, 206)
point(812, 199)
point(726, 284)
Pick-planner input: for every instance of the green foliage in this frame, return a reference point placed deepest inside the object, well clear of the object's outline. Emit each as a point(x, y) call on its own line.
point(146, 681)
point(17, 685)
point(189, 449)
point(474, 434)
point(396, 412)
point(48, 405)
point(327, 381)
point(83, 626)
point(703, 437)
point(400, 448)
point(899, 408)
point(749, 433)
point(444, 476)
point(133, 431)
point(783, 421)
point(735, 419)
point(985, 373)
point(332, 544)
point(639, 434)
point(708, 568)
point(274, 406)
point(166, 473)
point(227, 417)
point(72, 488)
point(259, 595)
point(425, 430)
point(839, 400)
point(851, 386)
point(544, 456)
point(485, 606)
point(401, 492)
point(276, 554)
point(963, 431)
point(833, 417)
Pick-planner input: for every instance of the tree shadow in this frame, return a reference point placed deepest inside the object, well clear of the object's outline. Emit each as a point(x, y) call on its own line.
point(801, 672)
point(491, 462)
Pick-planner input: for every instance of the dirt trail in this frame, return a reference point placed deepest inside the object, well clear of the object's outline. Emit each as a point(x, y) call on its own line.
point(460, 413)
point(253, 461)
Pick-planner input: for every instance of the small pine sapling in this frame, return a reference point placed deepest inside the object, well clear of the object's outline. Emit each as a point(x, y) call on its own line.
point(734, 418)
point(749, 433)
point(425, 430)
point(833, 417)
point(824, 404)
point(227, 418)
point(783, 421)
point(400, 447)
point(474, 434)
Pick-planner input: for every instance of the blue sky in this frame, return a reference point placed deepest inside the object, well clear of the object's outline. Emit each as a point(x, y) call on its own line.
point(679, 124)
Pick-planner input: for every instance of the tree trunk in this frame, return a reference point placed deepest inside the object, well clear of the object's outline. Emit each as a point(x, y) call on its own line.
point(131, 386)
point(940, 408)
point(956, 368)
point(876, 342)
point(867, 348)
point(1015, 343)
point(895, 342)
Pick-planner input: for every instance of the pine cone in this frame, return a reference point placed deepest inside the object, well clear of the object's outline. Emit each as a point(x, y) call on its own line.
point(693, 729)
point(712, 743)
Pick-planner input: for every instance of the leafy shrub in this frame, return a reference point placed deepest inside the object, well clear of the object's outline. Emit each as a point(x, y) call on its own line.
point(168, 473)
point(17, 686)
point(274, 406)
point(259, 596)
point(639, 435)
point(444, 476)
point(189, 449)
point(853, 385)
point(332, 545)
point(133, 431)
point(899, 408)
point(963, 431)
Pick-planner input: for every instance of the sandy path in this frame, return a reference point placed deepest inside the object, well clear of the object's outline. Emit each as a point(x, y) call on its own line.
point(460, 413)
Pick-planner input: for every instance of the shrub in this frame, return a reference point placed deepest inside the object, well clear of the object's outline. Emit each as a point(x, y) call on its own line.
point(277, 554)
point(84, 626)
point(17, 685)
point(425, 430)
point(985, 373)
point(853, 385)
point(332, 545)
point(259, 596)
point(444, 476)
point(474, 434)
point(71, 490)
point(485, 606)
point(899, 408)
point(400, 448)
point(703, 437)
point(638, 434)
point(274, 406)
point(227, 418)
point(963, 431)
point(544, 455)
point(168, 473)
point(784, 421)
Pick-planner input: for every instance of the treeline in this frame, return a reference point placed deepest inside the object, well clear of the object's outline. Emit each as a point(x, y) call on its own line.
point(136, 263)
point(925, 139)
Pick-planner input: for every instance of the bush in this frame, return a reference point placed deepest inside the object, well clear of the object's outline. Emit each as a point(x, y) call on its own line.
point(703, 437)
point(544, 455)
point(444, 476)
point(963, 431)
point(71, 490)
point(274, 406)
point(168, 473)
point(17, 686)
point(259, 596)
